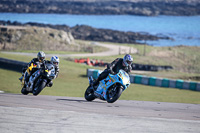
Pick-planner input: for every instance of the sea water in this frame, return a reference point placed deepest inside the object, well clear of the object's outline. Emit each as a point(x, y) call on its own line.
point(184, 29)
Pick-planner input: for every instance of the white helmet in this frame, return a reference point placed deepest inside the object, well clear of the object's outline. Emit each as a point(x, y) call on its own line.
point(127, 60)
point(55, 60)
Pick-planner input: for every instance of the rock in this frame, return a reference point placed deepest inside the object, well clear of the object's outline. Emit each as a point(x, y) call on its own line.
point(34, 38)
point(102, 7)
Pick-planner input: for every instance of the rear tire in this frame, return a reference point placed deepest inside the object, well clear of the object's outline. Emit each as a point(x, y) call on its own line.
point(24, 91)
point(111, 98)
point(39, 88)
point(89, 96)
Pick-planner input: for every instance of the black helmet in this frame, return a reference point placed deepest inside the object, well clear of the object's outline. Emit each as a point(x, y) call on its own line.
point(41, 56)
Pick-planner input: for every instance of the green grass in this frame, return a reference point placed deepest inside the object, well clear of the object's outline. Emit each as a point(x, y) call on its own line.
point(84, 47)
point(150, 93)
point(68, 83)
point(72, 81)
point(9, 81)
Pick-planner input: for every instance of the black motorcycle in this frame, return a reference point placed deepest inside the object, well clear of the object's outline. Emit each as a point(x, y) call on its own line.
point(44, 77)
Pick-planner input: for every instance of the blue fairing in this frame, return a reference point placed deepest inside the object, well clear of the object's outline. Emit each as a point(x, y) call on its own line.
point(121, 78)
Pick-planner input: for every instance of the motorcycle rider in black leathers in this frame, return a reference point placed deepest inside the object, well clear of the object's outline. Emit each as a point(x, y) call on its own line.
point(55, 62)
point(39, 63)
point(36, 61)
point(114, 67)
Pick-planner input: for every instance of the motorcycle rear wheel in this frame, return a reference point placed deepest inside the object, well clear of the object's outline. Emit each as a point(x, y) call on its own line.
point(111, 98)
point(24, 91)
point(89, 96)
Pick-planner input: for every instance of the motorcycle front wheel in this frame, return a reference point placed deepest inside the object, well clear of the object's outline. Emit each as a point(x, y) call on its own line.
point(39, 88)
point(89, 96)
point(113, 94)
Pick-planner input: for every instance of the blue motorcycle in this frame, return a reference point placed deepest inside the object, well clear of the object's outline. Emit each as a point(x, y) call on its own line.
point(109, 89)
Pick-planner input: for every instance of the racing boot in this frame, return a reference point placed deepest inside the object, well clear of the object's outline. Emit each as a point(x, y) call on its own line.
point(96, 83)
point(50, 84)
point(93, 87)
point(21, 77)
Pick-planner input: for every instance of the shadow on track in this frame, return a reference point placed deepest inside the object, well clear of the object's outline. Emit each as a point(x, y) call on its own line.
point(80, 101)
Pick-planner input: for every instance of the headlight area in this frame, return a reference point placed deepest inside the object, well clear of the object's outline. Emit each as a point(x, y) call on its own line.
point(125, 81)
point(51, 74)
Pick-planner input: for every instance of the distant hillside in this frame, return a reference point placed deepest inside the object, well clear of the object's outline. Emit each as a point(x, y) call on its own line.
point(34, 38)
point(100, 7)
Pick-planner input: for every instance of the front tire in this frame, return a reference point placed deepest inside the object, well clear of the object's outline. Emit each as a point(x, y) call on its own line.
point(38, 89)
point(89, 96)
point(113, 94)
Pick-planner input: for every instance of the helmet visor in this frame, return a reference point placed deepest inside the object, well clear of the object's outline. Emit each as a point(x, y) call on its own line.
point(55, 63)
point(129, 62)
point(41, 58)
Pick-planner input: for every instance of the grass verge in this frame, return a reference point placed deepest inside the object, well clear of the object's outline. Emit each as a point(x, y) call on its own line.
point(72, 81)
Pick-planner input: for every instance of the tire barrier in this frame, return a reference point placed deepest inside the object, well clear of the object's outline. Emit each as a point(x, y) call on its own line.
point(150, 67)
point(93, 72)
point(142, 67)
point(154, 81)
point(12, 64)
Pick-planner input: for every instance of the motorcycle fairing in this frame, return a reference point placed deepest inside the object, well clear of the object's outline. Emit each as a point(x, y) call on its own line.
point(122, 77)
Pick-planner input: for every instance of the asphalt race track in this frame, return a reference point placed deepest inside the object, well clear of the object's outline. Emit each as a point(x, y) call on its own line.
point(55, 114)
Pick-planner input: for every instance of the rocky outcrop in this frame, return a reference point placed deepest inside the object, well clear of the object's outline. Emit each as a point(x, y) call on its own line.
point(88, 33)
point(102, 7)
point(84, 32)
point(34, 38)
